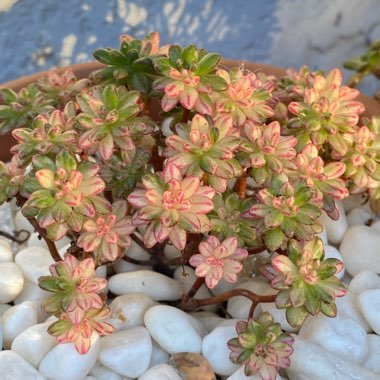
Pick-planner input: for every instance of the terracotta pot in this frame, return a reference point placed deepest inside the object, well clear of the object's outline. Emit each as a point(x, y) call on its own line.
point(82, 70)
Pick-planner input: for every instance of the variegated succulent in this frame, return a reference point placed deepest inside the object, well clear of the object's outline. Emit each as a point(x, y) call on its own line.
point(172, 206)
point(206, 150)
point(306, 282)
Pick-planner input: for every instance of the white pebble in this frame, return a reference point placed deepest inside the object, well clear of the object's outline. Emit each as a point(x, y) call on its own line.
point(15, 367)
point(5, 254)
point(314, 362)
point(155, 285)
point(5, 243)
point(340, 336)
point(16, 320)
point(128, 310)
point(364, 280)
point(240, 375)
point(35, 241)
point(372, 362)
point(369, 304)
point(134, 251)
point(173, 329)
point(160, 372)
point(34, 262)
point(32, 292)
point(354, 201)
point(100, 372)
point(21, 223)
point(335, 228)
point(64, 362)
point(359, 249)
point(11, 281)
point(238, 307)
point(214, 348)
point(159, 355)
point(34, 343)
point(127, 352)
point(208, 319)
point(359, 216)
point(3, 308)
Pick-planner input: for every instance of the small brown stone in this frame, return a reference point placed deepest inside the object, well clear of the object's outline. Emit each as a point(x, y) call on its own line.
point(192, 366)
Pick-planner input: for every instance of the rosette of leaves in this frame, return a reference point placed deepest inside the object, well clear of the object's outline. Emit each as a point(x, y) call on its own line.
point(11, 179)
point(325, 179)
point(131, 64)
point(266, 151)
point(109, 116)
point(171, 206)
point(306, 282)
point(284, 211)
point(124, 170)
point(107, 235)
point(327, 112)
point(62, 87)
point(63, 193)
point(363, 157)
point(74, 285)
point(244, 98)
point(261, 347)
point(188, 77)
point(49, 134)
point(19, 110)
point(227, 220)
point(203, 148)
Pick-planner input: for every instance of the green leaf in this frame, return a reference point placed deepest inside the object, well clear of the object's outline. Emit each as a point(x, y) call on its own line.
point(174, 54)
point(109, 96)
point(217, 82)
point(190, 54)
point(43, 162)
point(66, 161)
point(61, 211)
point(48, 283)
point(329, 309)
point(140, 82)
point(41, 199)
point(110, 57)
point(296, 316)
point(274, 238)
point(207, 63)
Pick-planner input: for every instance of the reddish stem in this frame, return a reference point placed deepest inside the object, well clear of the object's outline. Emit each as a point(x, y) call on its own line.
point(241, 186)
point(185, 115)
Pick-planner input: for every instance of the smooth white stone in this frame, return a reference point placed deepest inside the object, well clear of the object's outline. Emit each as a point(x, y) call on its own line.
point(16, 320)
point(155, 285)
point(332, 253)
point(238, 307)
point(34, 262)
point(214, 348)
point(160, 372)
point(1, 335)
point(240, 375)
point(208, 319)
point(348, 308)
point(354, 201)
point(11, 281)
point(15, 367)
point(372, 362)
point(359, 249)
point(335, 229)
point(314, 362)
point(127, 352)
point(134, 251)
point(359, 216)
point(5, 254)
point(340, 336)
point(64, 362)
point(173, 329)
point(34, 343)
point(376, 226)
point(21, 223)
point(159, 355)
point(323, 236)
point(186, 276)
point(224, 286)
point(4, 307)
point(369, 304)
point(35, 241)
point(101, 372)
point(101, 271)
point(364, 280)
point(172, 252)
point(6, 243)
point(278, 315)
point(32, 292)
point(128, 310)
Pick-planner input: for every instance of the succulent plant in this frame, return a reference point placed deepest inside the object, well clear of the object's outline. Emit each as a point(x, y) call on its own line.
point(261, 346)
